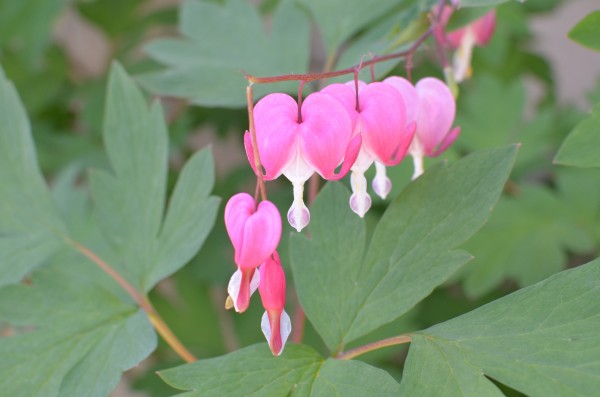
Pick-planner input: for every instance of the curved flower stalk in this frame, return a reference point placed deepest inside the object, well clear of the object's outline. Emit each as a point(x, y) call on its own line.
point(379, 115)
point(433, 109)
point(477, 33)
point(296, 143)
point(275, 323)
point(255, 232)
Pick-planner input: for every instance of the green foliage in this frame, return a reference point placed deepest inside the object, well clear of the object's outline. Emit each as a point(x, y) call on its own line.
point(582, 146)
point(74, 329)
point(529, 235)
point(411, 250)
point(300, 371)
point(30, 227)
point(83, 335)
point(206, 65)
point(130, 204)
point(587, 31)
point(542, 340)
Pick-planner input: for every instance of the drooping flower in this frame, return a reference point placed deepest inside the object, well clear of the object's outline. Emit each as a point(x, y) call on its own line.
point(433, 108)
point(275, 323)
point(255, 232)
point(298, 143)
point(380, 117)
point(477, 33)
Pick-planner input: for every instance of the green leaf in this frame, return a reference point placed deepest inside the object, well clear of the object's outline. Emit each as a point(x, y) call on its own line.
point(300, 371)
point(542, 340)
point(30, 227)
point(582, 146)
point(26, 25)
point(130, 201)
point(481, 3)
point(338, 20)
point(73, 337)
point(221, 40)
point(587, 31)
point(528, 238)
point(347, 292)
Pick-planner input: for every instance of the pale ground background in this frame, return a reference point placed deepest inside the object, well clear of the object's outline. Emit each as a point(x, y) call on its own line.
point(576, 69)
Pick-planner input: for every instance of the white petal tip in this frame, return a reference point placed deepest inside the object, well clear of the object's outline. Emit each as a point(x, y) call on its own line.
point(360, 204)
point(298, 216)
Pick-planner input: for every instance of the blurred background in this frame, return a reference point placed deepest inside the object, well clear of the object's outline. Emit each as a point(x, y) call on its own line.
point(530, 85)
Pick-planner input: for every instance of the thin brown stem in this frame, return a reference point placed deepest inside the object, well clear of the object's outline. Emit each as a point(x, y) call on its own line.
point(257, 163)
point(141, 300)
point(396, 340)
point(308, 77)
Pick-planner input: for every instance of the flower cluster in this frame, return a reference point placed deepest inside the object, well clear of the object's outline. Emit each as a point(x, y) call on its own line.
point(351, 126)
point(347, 126)
point(255, 231)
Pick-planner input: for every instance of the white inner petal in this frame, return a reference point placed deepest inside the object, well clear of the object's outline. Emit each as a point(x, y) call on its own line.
point(381, 183)
point(286, 329)
point(265, 326)
point(360, 201)
point(233, 288)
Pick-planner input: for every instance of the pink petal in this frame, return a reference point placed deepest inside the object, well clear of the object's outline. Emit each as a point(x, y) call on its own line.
point(272, 283)
point(261, 235)
point(346, 95)
point(409, 95)
point(448, 140)
point(237, 211)
point(276, 123)
point(484, 28)
point(325, 131)
point(383, 122)
point(436, 113)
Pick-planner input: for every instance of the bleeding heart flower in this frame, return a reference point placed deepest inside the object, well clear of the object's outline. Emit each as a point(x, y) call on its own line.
point(255, 232)
point(477, 33)
point(433, 107)
point(298, 143)
point(380, 118)
point(275, 323)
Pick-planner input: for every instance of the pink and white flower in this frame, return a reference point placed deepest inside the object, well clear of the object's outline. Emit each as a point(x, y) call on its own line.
point(255, 232)
point(275, 323)
point(296, 143)
point(433, 108)
point(379, 115)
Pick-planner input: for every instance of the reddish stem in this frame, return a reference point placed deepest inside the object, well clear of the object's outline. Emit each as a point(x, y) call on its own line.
point(257, 164)
point(396, 340)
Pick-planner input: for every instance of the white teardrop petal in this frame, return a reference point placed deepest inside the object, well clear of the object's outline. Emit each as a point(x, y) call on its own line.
point(285, 325)
point(265, 325)
point(255, 281)
point(233, 288)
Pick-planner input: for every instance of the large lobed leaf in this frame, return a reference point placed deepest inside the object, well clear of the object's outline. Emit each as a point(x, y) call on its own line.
point(83, 336)
point(582, 146)
point(130, 201)
point(73, 330)
point(347, 290)
point(222, 40)
point(543, 340)
point(30, 228)
point(300, 371)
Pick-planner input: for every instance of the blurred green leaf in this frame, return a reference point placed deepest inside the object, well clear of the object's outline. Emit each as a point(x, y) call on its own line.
point(222, 40)
point(587, 31)
point(543, 340)
point(30, 227)
point(129, 202)
point(78, 337)
point(338, 20)
point(347, 293)
point(300, 371)
point(528, 238)
point(582, 146)
point(25, 26)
